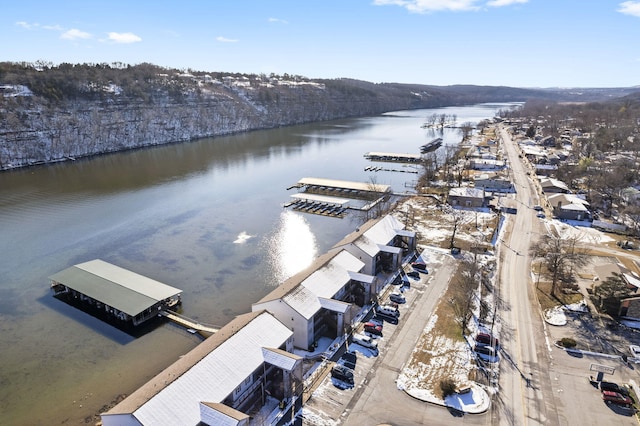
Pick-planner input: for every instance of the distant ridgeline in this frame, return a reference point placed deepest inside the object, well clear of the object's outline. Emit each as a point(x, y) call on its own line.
point(54, 113)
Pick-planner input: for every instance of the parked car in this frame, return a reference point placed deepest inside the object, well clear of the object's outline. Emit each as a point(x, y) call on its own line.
point(413, 274)
point(373, 329)
point(487, 339)
point(348, 359)
point(387, 310)
point(616, 398)
point(420, 267)
point(485, 350)
point(540, 215)
point(614, 387)
point(386, 318)
point(364, 340)
point(340, 372)
point(635, 351)
point(376, 321)
point(397, 298)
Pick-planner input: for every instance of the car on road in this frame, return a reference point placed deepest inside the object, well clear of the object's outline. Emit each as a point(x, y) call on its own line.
point(540, 215)
point(616, 398)
point(397, 298)
point(364, 340)
point(537, 208)
point(342, 373)
point(373, 329)
point(635, 351)
point(614, 387)
point(348, 359)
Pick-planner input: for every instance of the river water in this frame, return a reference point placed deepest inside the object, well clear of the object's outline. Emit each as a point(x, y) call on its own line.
point(204, 216)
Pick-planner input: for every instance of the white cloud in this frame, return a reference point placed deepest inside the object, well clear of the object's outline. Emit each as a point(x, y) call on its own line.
point(279, 21)
point(499, 3)
point(124, 38)
point(74, 34)
point(26, 25)
point(426, 6)
point(630, 8)
point(53, 27)
point(226, 40)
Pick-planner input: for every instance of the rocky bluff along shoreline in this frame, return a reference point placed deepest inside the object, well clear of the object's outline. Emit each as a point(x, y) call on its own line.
point(41, 123)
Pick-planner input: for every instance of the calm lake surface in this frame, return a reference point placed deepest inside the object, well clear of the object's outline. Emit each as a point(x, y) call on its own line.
point(204, 216)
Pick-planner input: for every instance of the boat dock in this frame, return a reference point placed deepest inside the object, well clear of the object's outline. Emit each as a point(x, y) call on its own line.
point(392, 157)
point(431, 146)
point(382, 169)
point(191, 325)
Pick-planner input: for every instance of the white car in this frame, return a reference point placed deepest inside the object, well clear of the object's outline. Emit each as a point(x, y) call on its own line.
point(364, 340)
point(635, 351)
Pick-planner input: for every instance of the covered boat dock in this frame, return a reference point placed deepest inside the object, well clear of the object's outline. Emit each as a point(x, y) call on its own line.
point(115, 294)
point(340, 188)
point(392, 157)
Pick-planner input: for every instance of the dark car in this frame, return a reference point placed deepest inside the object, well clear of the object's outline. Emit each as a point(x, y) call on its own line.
point(348, 359)
point(397, 298)
point(485, 350)
point(616, 398)
point(420, 267)
point(373, 329)
point(413, 274)
point(342, 373)
point(613, 387)
point(487, 339)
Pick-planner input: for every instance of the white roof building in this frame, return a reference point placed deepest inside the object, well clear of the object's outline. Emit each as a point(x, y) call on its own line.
point(220, 367)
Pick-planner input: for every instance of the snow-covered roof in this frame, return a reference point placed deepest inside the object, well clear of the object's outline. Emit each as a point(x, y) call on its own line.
point(216, 375)
point(303, 301)
point(466, 191)
point(281, 359)
point(334, 275)
point(334, 305)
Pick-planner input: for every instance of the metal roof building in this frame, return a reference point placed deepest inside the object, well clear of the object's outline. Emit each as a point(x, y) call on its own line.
point(120, 293)
point(219, 379)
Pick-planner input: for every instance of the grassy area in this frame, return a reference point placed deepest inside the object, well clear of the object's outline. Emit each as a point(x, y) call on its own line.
point(543, 290)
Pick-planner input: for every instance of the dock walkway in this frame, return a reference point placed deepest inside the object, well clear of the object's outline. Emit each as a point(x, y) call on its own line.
point(191, 325)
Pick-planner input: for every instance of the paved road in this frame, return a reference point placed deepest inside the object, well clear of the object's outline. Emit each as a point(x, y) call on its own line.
point(543, 384)
point(526, 397)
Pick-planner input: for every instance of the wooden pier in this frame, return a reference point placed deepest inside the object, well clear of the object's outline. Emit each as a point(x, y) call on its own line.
point(191, 325)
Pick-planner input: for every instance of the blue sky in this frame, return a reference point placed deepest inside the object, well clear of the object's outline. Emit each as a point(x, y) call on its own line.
point(520, 43)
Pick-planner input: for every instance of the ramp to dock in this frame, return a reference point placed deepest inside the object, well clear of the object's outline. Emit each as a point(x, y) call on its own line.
point(191, 325)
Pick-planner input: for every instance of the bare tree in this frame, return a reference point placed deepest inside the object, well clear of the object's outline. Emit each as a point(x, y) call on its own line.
point(467, 287)
point(561, 256)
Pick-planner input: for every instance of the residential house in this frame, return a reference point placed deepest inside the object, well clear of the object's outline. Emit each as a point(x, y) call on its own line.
point(493, 182)
point(569, 207)
point(551, 185)
point(467, 197)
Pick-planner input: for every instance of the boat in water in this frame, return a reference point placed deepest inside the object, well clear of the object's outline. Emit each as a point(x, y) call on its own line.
point(431, 146)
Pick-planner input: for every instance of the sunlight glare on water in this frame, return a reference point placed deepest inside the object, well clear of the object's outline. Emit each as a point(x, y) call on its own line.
point(293, 246)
